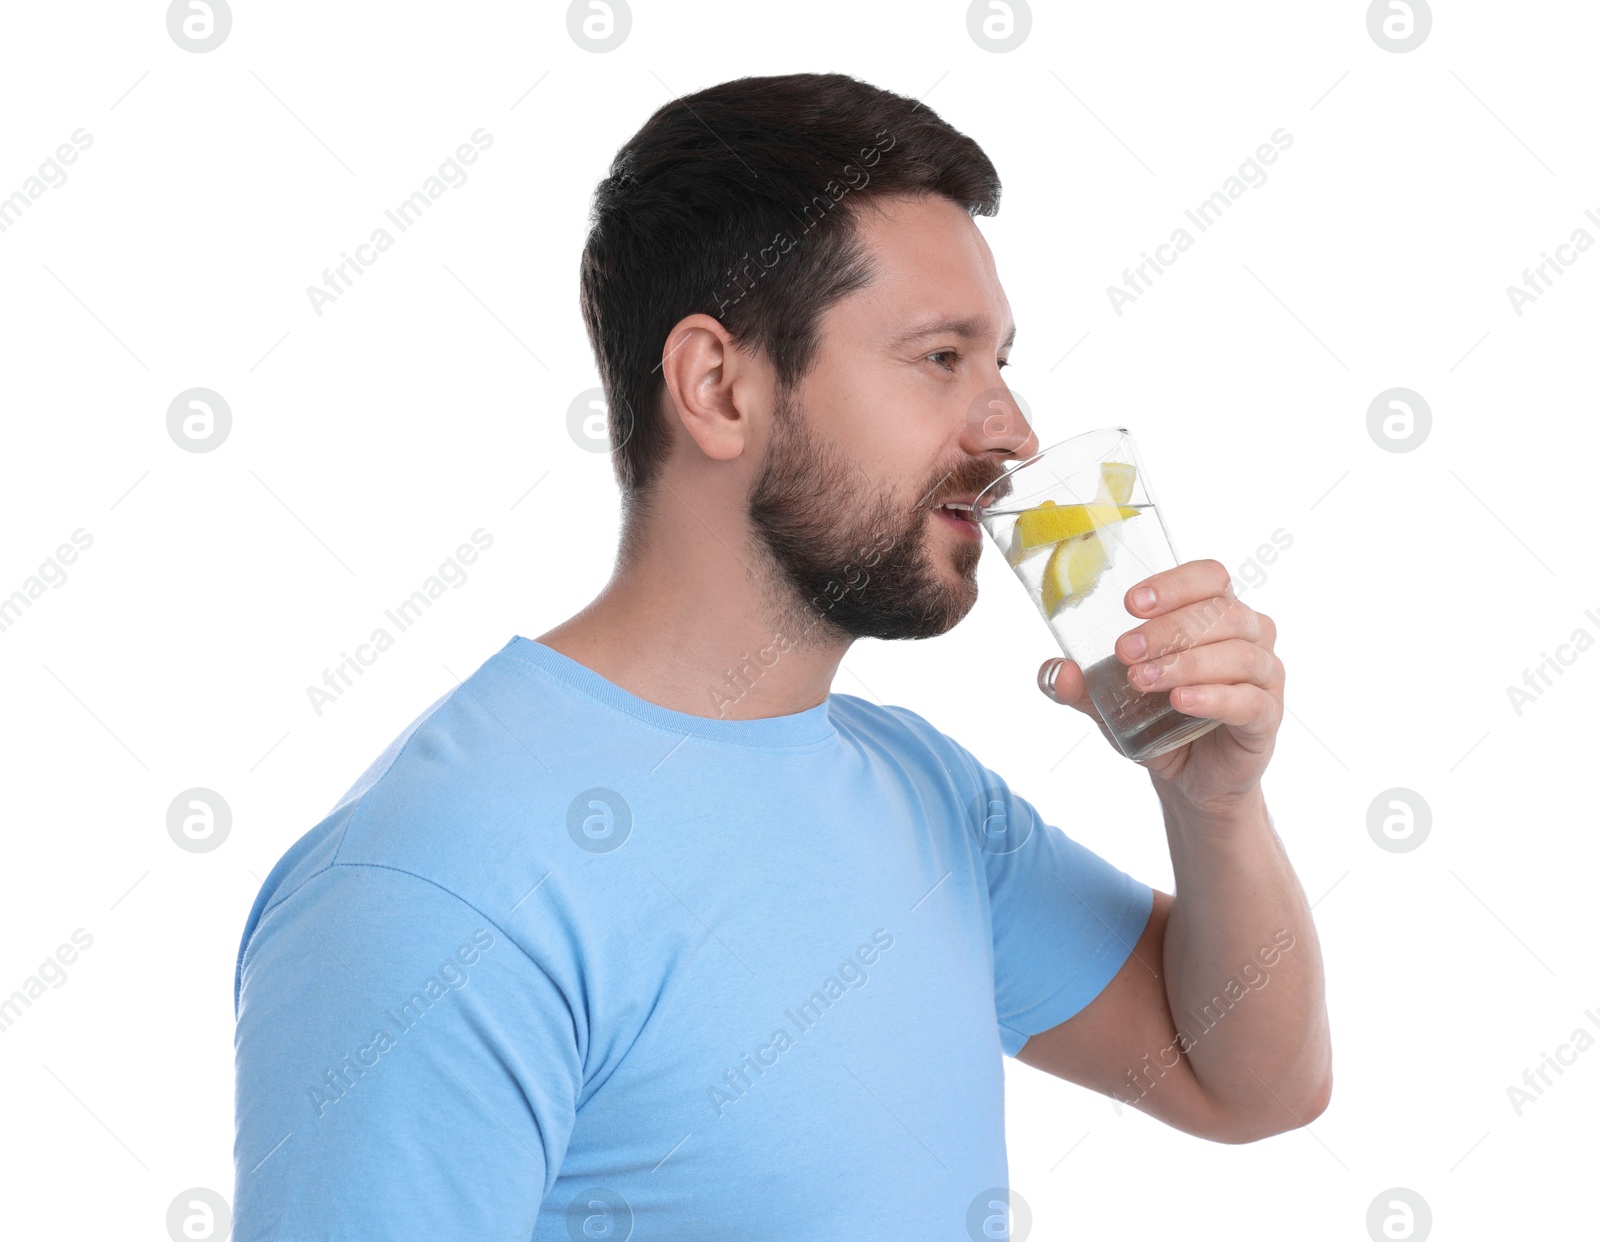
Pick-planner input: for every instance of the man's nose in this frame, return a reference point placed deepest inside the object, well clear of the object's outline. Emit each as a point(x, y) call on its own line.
point(996, 424)
point(1028, 447)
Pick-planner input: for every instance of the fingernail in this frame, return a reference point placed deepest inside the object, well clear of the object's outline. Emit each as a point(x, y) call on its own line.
point(1135, 645)
point(1144, 597)
point(1047, 678)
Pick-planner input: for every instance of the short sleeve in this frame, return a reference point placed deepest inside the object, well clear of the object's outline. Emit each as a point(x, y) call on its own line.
point(1064, 919)
point(402, 1068)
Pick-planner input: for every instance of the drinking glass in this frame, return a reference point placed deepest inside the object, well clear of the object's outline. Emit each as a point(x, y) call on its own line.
point(1078, 562)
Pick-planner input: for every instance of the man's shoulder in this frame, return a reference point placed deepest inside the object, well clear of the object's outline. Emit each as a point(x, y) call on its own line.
point(453, 796)
point(910, 735)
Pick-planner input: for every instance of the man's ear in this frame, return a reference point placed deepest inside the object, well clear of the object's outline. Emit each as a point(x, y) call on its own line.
point(700, 365)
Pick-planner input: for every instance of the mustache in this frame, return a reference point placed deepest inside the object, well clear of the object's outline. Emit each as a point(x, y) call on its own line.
point(966, 478)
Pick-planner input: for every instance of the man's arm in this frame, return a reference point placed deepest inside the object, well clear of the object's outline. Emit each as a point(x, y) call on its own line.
point(1216, 1023)
point(404, 1068)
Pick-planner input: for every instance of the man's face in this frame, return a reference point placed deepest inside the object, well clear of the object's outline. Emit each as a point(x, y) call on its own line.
point(903, 410)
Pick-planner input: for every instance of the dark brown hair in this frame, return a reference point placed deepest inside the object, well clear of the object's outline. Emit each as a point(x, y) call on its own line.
point(736, 202)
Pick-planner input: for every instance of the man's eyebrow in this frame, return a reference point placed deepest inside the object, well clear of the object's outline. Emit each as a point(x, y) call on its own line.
point(969, 327)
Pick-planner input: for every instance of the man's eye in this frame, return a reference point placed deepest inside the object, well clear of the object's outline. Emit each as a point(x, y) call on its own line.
point(950, 353)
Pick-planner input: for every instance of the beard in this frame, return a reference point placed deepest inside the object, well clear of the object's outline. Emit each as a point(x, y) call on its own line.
point(851, 559)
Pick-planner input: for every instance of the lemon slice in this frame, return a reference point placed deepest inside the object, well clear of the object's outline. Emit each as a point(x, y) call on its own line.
point(1072, 571)
point(1052, 523)
point(1116, 482)
point(1016, 553)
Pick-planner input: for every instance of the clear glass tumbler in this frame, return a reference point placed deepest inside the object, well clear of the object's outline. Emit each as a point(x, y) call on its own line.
point(1078, 523)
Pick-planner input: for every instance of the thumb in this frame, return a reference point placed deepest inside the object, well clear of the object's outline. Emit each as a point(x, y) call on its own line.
point(1061, 680)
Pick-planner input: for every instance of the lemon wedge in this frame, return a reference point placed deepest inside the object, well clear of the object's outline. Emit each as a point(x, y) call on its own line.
point(1116, 482)
point(1052, 523)
point(1078, 554)
point(1072, 571)
point(1016, 553)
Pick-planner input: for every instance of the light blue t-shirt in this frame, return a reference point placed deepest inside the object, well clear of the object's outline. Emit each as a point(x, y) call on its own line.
point(565, 964)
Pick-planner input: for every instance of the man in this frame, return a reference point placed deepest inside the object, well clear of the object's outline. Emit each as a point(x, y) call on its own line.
point(641, 931)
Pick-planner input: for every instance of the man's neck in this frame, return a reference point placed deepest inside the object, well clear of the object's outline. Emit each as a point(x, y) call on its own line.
point(699, 639)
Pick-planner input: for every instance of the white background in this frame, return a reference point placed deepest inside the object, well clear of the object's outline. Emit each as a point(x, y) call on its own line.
point(369, 441)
